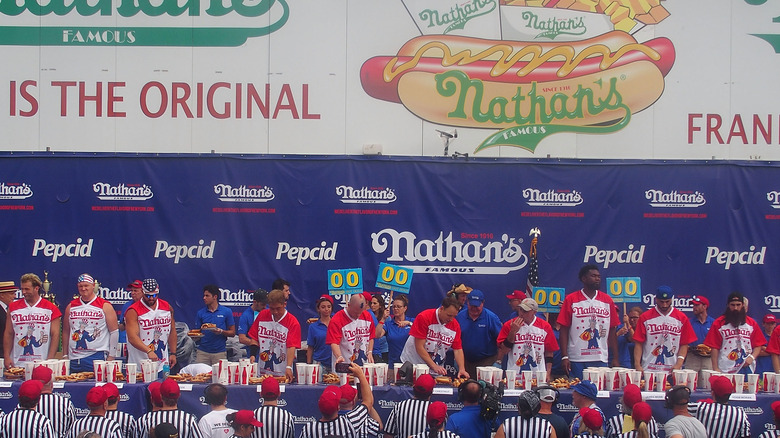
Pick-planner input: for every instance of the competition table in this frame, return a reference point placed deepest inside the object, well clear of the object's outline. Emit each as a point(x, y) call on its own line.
point(301, 401)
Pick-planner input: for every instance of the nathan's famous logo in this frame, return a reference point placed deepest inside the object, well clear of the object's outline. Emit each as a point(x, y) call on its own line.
point(114, 296)
point(365, 195)
point(774, 198)
point(228, 193)
point(457, 15)
point(551, 27)
point(15, 190)
point(552, 198)
point(136, 22)
point(675, 199)
point(446, 254)
point(529, 90)
point(122, 192)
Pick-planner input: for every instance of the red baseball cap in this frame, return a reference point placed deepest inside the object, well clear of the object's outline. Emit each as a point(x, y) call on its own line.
point(631, 395)
point(270, 387)
point(348, 393)
point(721, 386)
point(517, 295)
point(325, 297)
point(248, 417)
point(770, 319)
point(30, 389)
point(42, 373)
point(111, 390)
point(437, 413)
point(424, 384)
point(135, 284)
point(329, 400)
point(170, 389)
point(591, 418)
point(154, 392)
point(367, 296)
point(698, 299)
point(776, 408)
point(96, 396)
point(642, 412)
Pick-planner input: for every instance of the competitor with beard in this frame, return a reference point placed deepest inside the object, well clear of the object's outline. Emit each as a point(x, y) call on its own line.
point(735, 338)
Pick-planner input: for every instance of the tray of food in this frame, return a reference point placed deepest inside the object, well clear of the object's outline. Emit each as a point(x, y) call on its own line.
point(14, 373)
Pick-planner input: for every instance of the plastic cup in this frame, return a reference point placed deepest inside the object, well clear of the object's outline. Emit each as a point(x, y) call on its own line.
point(680, 377)
point(528, 377)
point(380, 375)
point(420, 369)
point(541, 377)
point(396, 369)
point(223, 365)
point(28, 370)
point(99, 367)
point(131, 372)
point(739, 383)
point(693, 379)
point(64, 367)
point(482, 374)
point(752, 383)
point(609, 380)
point(511, 376)
point(343, 378)
point(495, 375)
point(300, 370)
point(649, 378)
point(660, 381)
point(232, 369)
point(111, 371)
point(149, 370)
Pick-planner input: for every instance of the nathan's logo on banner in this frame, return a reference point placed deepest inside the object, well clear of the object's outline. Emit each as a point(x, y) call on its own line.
point(15, 190)
point(729, 258)
point(674, 199)
point(178, 252)
point(142, 23)
point(526, 88)
point(115, 297)
point(365, 195)
point(606, 257)
point(241, 298)
point(301, 253)
point(57, 250)
point(772, 302)
point(228, 193)
point(552, 198)
point(774, 198)
point(449, 17)
point(446, 254)
point(122, 192)
point(6, 395)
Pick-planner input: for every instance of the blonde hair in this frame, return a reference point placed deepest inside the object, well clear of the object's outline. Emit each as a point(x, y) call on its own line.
point(31, 278)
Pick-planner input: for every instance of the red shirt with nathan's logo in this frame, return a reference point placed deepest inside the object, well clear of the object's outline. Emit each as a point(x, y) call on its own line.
point(438, 337)
point(155, 326)
point(352, 335)
point(274, 337)
point(662, 336)
point(88, 328)
point(735, 343)
point(530, 344)
point(31, 326)
point(589, 321)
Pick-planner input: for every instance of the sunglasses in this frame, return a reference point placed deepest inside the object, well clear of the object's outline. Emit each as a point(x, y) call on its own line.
point(151, 295)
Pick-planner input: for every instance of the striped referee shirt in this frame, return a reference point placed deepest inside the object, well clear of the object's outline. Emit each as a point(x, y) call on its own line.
point(126, 422)
point(105, 427)
point(185, 423)
point(615, 426)
point(534, 427)
point(340, 427)
point(722, 421)
point(277, 423)
point(407, 418)
point(59, 410)
point(364, 425)
point(440, 434)
point(26, 423)
point(774, 433)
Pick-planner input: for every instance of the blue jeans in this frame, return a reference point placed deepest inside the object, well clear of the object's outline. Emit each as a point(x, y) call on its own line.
point(578, 367)
point(85, 364)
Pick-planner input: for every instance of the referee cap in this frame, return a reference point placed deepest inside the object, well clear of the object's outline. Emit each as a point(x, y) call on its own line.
point(96, 396)
point(329, 400)
point(437, 413)
point(631, 395)
point(424, 384)
point(776, 408)
point(270, 387)
point(721, 386)
point(154, 392)
point(591, 418)
point(642, 412)
point(42, 373)
point(247, 417)
point(169, 389)
point(30, 389)
point(111, 390)
point(348, 393)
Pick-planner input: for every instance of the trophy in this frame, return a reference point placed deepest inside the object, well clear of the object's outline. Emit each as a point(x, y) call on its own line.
point(47, 294)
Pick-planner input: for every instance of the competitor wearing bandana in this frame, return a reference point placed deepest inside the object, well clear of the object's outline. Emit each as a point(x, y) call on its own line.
point(151, 330)
point(90, 327)
point(32, 327)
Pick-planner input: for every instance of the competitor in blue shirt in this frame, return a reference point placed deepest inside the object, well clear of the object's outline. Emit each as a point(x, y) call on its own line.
point(259, 301)
point(217, 324)
point(479, 329)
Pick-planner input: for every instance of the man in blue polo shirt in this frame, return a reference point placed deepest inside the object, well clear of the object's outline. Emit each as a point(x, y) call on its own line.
point(259, 302)
point(697, 358)
point(479, 328)
point(217, 324)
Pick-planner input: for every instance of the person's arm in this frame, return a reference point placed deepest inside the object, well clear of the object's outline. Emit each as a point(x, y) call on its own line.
point(336, 349)
point(66, 333)
point(461, 363)
point(309, 354)
point(289, 359)
point(366, 395)
point(8, 340)
point(112, 325)
point(714, 358)
point(638, 356)
point(419, 346)
point(229, 333)
point(172, 338)
point(563, 335)
point(500, 432)
point(775, 359)
point(369, 351)
point(246, 340)
point(753, 355)
point(681, 357)
point(612, 343)
point(54, 337)
point(134, 334)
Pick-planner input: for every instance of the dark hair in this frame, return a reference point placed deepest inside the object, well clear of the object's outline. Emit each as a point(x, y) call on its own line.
point(27, 402)
point(213, 289)
point(380, 312)
point(231, 419)
point(585, 269)
point(450, 302)
point(215, 394)
point(402, 298)
point(261, 296)
point(280, 283)
point(677, 395)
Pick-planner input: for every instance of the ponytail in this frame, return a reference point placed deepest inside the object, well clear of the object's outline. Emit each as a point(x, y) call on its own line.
point(642, 431)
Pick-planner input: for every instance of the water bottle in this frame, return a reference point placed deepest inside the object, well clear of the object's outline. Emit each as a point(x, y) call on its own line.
point(166, 371)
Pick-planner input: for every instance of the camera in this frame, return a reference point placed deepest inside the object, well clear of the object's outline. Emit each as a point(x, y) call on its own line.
point(342, 367)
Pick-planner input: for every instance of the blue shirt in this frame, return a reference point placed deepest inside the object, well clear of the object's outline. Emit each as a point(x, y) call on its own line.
point(700, 329)
point(316, 340)
point(380, 343)
point(223, 318)
point(468, 423)
point(625, 350)
point(245, 321)
point(764, 363)
point(396, 339)
point(123, 333)
point(479, 336)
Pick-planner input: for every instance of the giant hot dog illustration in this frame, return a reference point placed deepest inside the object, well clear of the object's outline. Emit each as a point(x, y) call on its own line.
point(527, 90)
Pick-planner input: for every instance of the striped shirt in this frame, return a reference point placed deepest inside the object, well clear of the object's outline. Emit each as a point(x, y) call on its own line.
point(631, 434)
point(185, 423)
point(722, 421)
point(774, 433)
point(59, 410)
point(340, 427)
point(519, 427)
point(615, 424)
point(364, 425)
point(407, 418)
point(440, 434)
point(126, 422)
point(26, 423)
point(276, 423)
point(105, 427)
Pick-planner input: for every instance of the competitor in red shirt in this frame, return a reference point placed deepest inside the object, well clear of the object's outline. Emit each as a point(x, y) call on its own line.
point(735, 338)
point(151, 328)
point(662, 335)
point(351, 333)
point(278, 334)
point(32, 327)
